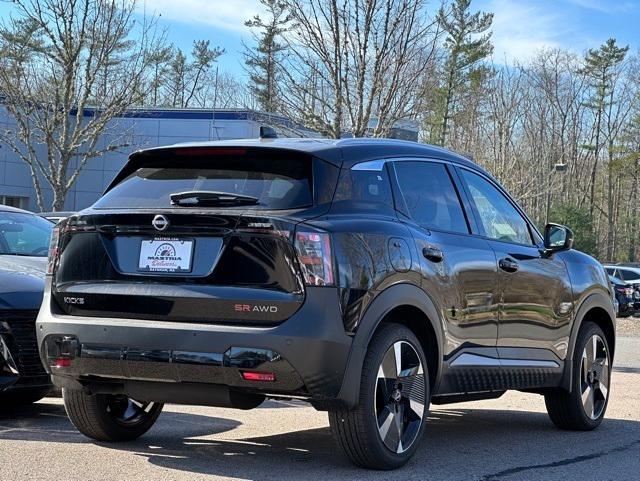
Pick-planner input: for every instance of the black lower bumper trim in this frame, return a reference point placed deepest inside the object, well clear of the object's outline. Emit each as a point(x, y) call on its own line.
point(132, 363)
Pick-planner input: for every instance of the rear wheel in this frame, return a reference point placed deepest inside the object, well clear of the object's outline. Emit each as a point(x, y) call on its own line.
point(584, 407)
point(108, 417)
point(384, 430)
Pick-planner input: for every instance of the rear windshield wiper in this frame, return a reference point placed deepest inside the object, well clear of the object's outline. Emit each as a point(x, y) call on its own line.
point(212, 198)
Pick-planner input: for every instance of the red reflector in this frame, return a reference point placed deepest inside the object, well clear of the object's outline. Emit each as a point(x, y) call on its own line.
point(258, 376)
point(63, 362)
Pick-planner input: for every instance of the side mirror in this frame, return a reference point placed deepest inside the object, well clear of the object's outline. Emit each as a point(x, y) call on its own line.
point(557, 238)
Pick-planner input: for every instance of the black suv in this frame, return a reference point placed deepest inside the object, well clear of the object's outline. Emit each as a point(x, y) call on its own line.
point(368, 277)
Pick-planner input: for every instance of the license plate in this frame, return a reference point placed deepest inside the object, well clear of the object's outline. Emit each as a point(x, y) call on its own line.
point(165, 255)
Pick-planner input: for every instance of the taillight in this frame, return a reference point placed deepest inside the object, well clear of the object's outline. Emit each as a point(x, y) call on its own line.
point(53, 250)
point(258, 376)
point(314, 255)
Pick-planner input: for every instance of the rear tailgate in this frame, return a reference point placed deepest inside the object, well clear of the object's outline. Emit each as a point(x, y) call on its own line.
point(135, 255)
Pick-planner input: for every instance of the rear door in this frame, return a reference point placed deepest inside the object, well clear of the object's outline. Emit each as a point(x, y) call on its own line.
point(201, 256)
point(536, 302)
point(458, 270)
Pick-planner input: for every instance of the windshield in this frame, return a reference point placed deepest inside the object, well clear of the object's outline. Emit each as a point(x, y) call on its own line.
point(272, 182)
point(24, 234)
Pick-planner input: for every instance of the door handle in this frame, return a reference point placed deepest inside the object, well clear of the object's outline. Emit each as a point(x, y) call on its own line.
point(433, 254)
point(508, 265)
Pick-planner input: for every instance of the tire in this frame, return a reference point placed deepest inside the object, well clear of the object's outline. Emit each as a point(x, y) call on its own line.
point(108, 417)
point(591, 380)
point(21, 397)
point(383, 400)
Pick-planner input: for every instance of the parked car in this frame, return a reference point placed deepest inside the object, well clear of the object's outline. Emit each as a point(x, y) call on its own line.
point(368, 277)
point(625, 297)
point(56, 217)
point(630, 276)
point(24, 243)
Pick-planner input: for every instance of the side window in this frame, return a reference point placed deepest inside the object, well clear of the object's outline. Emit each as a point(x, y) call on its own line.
point(610, 271)
point(430, 196)
point(499, 219)
point(371, 186)
point(630, 275)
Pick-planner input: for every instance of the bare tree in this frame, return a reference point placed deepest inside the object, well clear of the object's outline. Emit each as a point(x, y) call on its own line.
point(68, 68)
point(354, 66)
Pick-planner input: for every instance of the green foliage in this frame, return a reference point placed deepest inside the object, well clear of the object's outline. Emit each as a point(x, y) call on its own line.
point(467, 43)
point(263, 60)
point(578, 219)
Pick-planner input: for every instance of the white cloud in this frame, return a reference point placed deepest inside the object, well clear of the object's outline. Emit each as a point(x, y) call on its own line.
point(521, 28)
point(224, 14)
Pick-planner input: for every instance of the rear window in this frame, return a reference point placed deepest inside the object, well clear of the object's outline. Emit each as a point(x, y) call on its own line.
point(278, 182)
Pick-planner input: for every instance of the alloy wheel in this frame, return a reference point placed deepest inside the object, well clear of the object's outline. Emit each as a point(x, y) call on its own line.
point(400, 397)
point(594, 385)
point(127, 411)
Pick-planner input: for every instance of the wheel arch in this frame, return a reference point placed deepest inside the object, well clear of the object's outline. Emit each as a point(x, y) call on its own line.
point(595, 308)
point(405, 304)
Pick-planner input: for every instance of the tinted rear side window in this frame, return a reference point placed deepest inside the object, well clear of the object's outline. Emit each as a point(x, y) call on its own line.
point(369, 186)
point(282, 181)
point(430, 196)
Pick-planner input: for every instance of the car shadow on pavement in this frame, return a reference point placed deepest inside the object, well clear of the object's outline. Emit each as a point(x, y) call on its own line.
point(45, 421)
point(479, 444)
point(463, 441)
point(466, 440)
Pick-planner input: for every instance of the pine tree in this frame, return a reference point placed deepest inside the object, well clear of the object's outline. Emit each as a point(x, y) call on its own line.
point(203, 58)
point(160, 60)
point(599, 68)
point(467, 44)
point(262, 62)
point(177, 78)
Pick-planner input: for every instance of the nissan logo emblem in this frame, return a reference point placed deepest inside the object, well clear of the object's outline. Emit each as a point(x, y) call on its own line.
point(160, 222)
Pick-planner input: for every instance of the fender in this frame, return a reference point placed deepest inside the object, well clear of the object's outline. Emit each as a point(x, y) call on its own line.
point(596, 299)
point(392, 297)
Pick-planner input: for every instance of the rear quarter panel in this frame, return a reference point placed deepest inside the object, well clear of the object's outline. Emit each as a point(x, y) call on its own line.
point(364, 267)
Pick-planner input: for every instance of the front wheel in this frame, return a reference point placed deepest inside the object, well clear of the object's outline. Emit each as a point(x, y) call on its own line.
point(584, 407)
point(109, 417)
point(384, 430)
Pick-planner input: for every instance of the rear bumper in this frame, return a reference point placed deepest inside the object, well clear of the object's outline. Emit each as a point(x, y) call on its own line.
point(307, 353)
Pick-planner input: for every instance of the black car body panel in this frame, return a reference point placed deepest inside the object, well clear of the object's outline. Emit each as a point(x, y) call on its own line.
point(492, 313)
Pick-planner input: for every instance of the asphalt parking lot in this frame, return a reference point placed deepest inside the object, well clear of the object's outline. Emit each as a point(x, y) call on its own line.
point(506, 439)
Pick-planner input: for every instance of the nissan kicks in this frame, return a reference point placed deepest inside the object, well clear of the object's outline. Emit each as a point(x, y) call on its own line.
point(371, 278)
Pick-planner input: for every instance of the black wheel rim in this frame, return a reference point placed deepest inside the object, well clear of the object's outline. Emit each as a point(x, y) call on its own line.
point(400, 397)
point(129, 412)
point(594, 380)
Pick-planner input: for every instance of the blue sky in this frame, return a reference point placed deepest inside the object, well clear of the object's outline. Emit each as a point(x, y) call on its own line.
point(520, 26)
